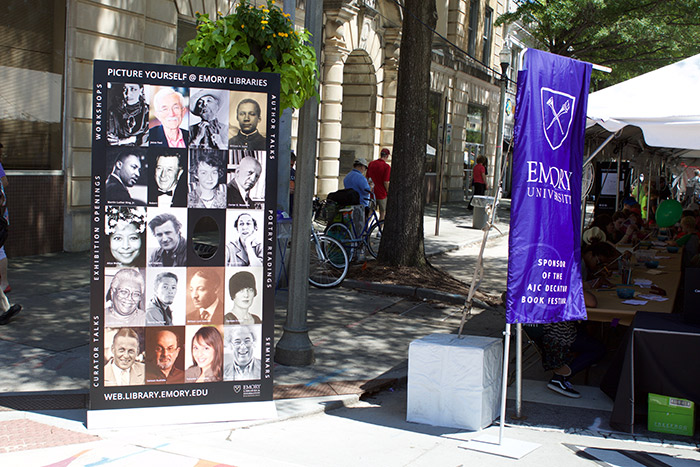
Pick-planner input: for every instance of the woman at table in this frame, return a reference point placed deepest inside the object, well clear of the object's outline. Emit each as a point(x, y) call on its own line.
point(595, 263)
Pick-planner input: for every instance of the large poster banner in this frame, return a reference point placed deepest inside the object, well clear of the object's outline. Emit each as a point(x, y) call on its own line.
point(544, 275)
point(184, 183)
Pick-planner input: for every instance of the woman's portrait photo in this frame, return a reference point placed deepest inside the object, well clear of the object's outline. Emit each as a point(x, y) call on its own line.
point(126, 230)
point(124, 298)
point(206, 353)
point(243, 303)
point(245, 229)
point(207, 188)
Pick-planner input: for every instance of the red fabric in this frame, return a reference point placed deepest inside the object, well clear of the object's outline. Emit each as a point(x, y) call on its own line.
point(379, 171)
point(479, 174)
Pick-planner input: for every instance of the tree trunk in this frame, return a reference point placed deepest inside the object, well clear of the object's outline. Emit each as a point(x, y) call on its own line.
point(402, 239)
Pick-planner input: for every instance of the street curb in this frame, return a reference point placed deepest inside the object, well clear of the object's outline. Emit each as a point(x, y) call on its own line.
point(417, 293)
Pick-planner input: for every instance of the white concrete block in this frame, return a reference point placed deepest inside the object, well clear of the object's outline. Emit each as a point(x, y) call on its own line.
point(454, 382)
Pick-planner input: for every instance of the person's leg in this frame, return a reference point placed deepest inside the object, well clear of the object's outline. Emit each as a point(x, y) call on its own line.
point(587, 350)
point(4, 281)
point(382, 208)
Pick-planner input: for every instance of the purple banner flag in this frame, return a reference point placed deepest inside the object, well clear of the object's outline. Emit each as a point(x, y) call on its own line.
point(544, 273)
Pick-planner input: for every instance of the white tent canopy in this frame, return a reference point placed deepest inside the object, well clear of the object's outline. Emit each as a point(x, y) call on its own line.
point(664, 104)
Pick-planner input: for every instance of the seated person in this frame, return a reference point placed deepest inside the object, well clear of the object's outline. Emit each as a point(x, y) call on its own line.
point(595, 262)
point(688, 239)
point(566, 349)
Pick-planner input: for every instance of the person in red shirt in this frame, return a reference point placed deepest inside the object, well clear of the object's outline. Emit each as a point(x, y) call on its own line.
point(380, 172)
point(478, 179)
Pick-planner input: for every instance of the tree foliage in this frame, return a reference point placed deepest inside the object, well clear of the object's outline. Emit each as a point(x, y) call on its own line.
point(630, 36)
point(257, 39)
point(402, 238)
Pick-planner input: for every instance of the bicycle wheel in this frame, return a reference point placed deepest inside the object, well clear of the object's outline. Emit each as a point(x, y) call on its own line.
point(328, 262)
point(374, 237)
point(341, 233)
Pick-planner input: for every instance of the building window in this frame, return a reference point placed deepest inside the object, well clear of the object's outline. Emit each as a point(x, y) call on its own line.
point(488, 32)
point(473, 26)
point(476, 118)
point(186, 31)
point(32, 39)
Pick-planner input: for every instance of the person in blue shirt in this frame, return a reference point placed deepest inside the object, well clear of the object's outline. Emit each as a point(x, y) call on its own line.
point(357, 181)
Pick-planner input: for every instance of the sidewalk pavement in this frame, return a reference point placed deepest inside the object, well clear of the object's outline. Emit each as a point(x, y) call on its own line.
point(361, 340)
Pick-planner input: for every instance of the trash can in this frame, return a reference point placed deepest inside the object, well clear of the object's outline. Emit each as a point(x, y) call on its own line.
point(479, 203)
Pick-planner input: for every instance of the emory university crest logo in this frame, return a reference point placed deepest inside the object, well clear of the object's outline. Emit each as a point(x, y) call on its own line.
point(557, 115)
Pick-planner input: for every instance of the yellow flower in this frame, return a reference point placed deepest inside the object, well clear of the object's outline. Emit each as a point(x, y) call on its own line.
point(265, 10)
point(242, 26)
point(263, 22)
point(269, 46)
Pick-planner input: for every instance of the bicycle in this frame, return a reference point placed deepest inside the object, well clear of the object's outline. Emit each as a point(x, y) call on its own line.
point(328, 261)
point(346, 233)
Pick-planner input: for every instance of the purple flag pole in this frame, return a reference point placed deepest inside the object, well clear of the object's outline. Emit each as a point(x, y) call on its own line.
point(544, 247)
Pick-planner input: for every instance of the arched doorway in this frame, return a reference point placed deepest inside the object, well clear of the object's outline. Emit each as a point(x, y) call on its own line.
point(359, 114)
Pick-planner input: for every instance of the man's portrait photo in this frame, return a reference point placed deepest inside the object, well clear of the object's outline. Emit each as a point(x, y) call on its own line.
point(207, 187)
point(166, 244)
point(166, 296)
point(246, 180)
point(128, 114)
point(245, 228)
point(205, 304)
point(169, 128)
point(208, 119)
point(124, 298)
point(167, 178)
point(242, 352)
point(249, 111)
point(126, 229)
point(126, 181)
point(242, 302)
point(123, 367)
point(165, 360)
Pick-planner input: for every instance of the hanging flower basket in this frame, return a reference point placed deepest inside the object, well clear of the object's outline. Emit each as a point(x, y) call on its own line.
point(257, 39)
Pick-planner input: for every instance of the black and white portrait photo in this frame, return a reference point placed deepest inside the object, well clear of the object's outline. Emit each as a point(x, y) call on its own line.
point(126, 176)
point(167, 245)
point(128, 114)
point(208, 118)
point(242, 352)
point(245, 233)
point(247, 121)
point(167, 177)
point(246, 180)
point(207, 186)
point(126, 229)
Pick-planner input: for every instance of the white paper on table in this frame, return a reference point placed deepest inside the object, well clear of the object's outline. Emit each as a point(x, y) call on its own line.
point(655, 272)
point(658, 243)
point(656, 298)
point(644, 283)
point(662, 257)
point(634, 302)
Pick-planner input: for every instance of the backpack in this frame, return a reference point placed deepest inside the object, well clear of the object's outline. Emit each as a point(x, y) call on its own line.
point(345, 197)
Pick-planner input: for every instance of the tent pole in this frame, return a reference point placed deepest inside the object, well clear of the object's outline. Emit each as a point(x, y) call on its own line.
point(617, 188)
point(600, 148)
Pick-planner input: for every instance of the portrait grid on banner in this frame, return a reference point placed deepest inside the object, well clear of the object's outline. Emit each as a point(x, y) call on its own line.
point(184, 180)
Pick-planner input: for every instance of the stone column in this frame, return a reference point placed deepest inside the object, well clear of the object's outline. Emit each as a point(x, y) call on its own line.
point(388, 88)
point(331, 109)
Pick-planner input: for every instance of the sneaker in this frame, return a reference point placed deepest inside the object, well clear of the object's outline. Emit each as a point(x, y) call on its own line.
point(561, 384)
point(7, 316)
